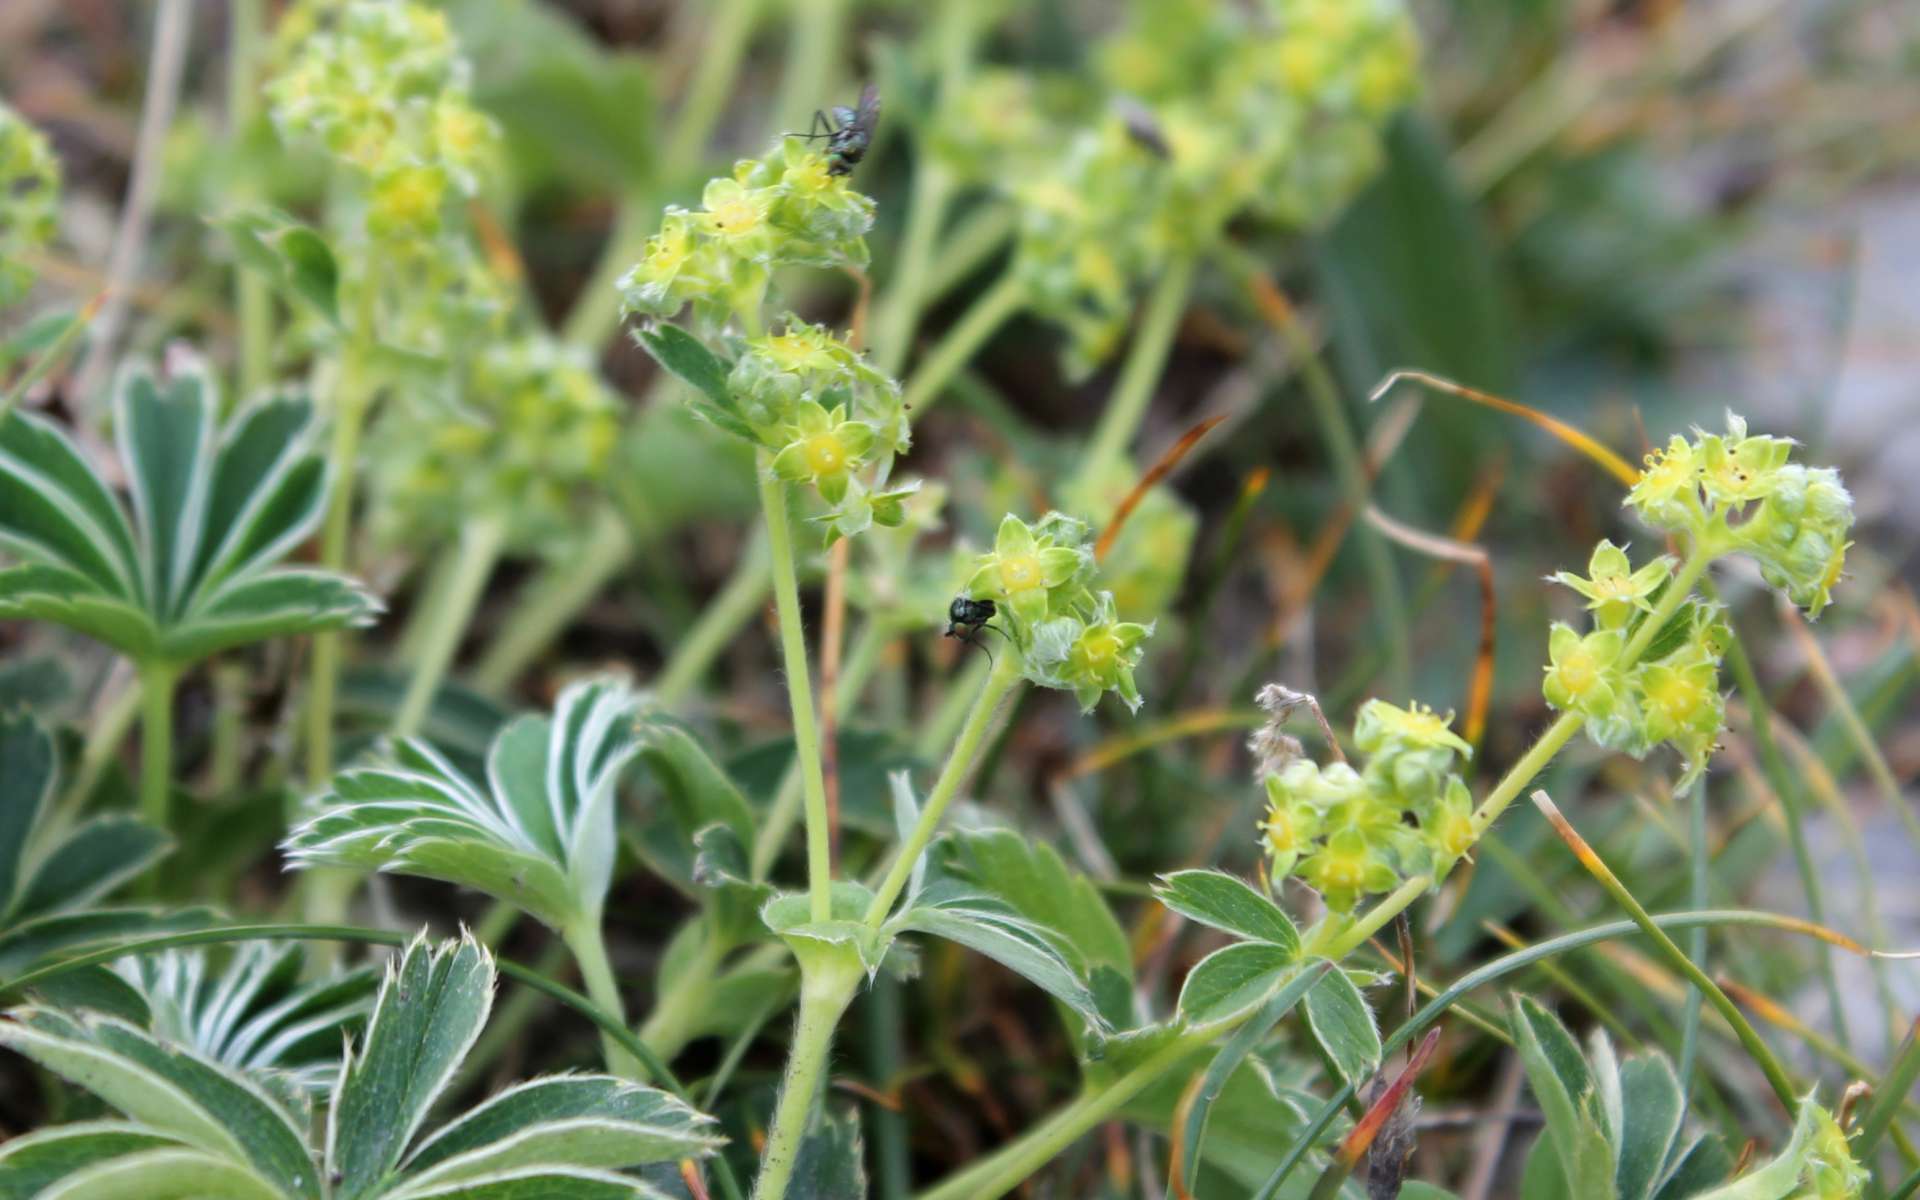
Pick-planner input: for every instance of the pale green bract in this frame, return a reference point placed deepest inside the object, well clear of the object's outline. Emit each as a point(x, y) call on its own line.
point(197, 1127)
point(194, 571)
point(538, 833)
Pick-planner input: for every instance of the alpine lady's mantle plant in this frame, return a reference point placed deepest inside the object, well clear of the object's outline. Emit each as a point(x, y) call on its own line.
point(1236, 1023)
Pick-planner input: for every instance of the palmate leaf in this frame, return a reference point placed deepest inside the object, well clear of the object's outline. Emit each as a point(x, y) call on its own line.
point(539, 834)
point(49, 878)
point(194, 571)
point(227, 1136)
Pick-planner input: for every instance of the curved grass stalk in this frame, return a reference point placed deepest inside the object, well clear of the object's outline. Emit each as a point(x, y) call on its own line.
point(1140, 374)
point(1750, 1039)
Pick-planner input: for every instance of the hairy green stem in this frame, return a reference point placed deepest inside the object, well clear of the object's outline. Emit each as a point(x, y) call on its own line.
point(966, 747)
point(156, 740)
point(793, 648)
point(547, 604)
point(589, 950)
point(480, 544)
point(1140, 375)
point(1349, 936)
point(826, 988)
point(738, 602)
point(785, 809)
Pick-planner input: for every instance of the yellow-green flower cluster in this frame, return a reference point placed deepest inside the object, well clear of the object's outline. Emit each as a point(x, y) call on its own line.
point(527, 441)
point(1089, 235)
point(1670, 694)
point(1068, 635)
point(1742, 493)
point(29, 201)
point(827, 416)
point(786, 209)
point(382, 86)
point(1272, 108)
point(1405, 812)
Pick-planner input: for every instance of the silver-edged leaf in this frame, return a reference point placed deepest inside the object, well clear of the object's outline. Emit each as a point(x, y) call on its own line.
point(1233, 979)
point(1343, 1025)
point(1219, 900)
point(540, 833)
point(432, 1005)
point(608, 1122)
point(34, 1161)
point(164, 1174)
point(995, 929)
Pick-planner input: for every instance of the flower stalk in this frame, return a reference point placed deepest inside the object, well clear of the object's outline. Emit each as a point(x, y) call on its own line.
point(793, 648)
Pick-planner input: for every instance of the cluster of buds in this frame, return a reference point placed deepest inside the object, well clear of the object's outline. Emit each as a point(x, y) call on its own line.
point(527, 439)
point(1670, 693)
point(1204, 111)
point(1349, 833)
point(787, 209)
point(824, 415)
point(1069, 635)
point(383, 88)
point(1740, 493)
point(29, 202)
point(1146, 565)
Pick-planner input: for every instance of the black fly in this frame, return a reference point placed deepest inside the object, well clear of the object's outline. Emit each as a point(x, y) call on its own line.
point(966, 617)
point(849, 131)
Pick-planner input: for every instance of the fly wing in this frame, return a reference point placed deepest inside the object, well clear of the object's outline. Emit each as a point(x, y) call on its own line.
point(868, 114)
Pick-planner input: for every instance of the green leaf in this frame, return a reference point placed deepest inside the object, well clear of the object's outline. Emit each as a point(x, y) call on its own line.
point(687, 357)
point(164, 1175)
point(539, 835)
point(720, 866)
point(1223, 902)
point(28, 769)
point(993, 928)
point(1234, 1053)
point(1030, 875)
point(1703, 1163)
point(1781, 1175)
point(1652, 1107)
point(1232, 979)
point(91, 861)
point(44, 936)
point(35, 1160)
point(535, 1183)
point(432, 1005)
point(293, 256)
point(831, 1163)
point(265, 1130)
point(95, 989)
point(1343, 1025)
point(195, 572)
point(1569, 1098)
point(256, 1012)
point(580, 1120)
point(696, 788)
point(66, 1048)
